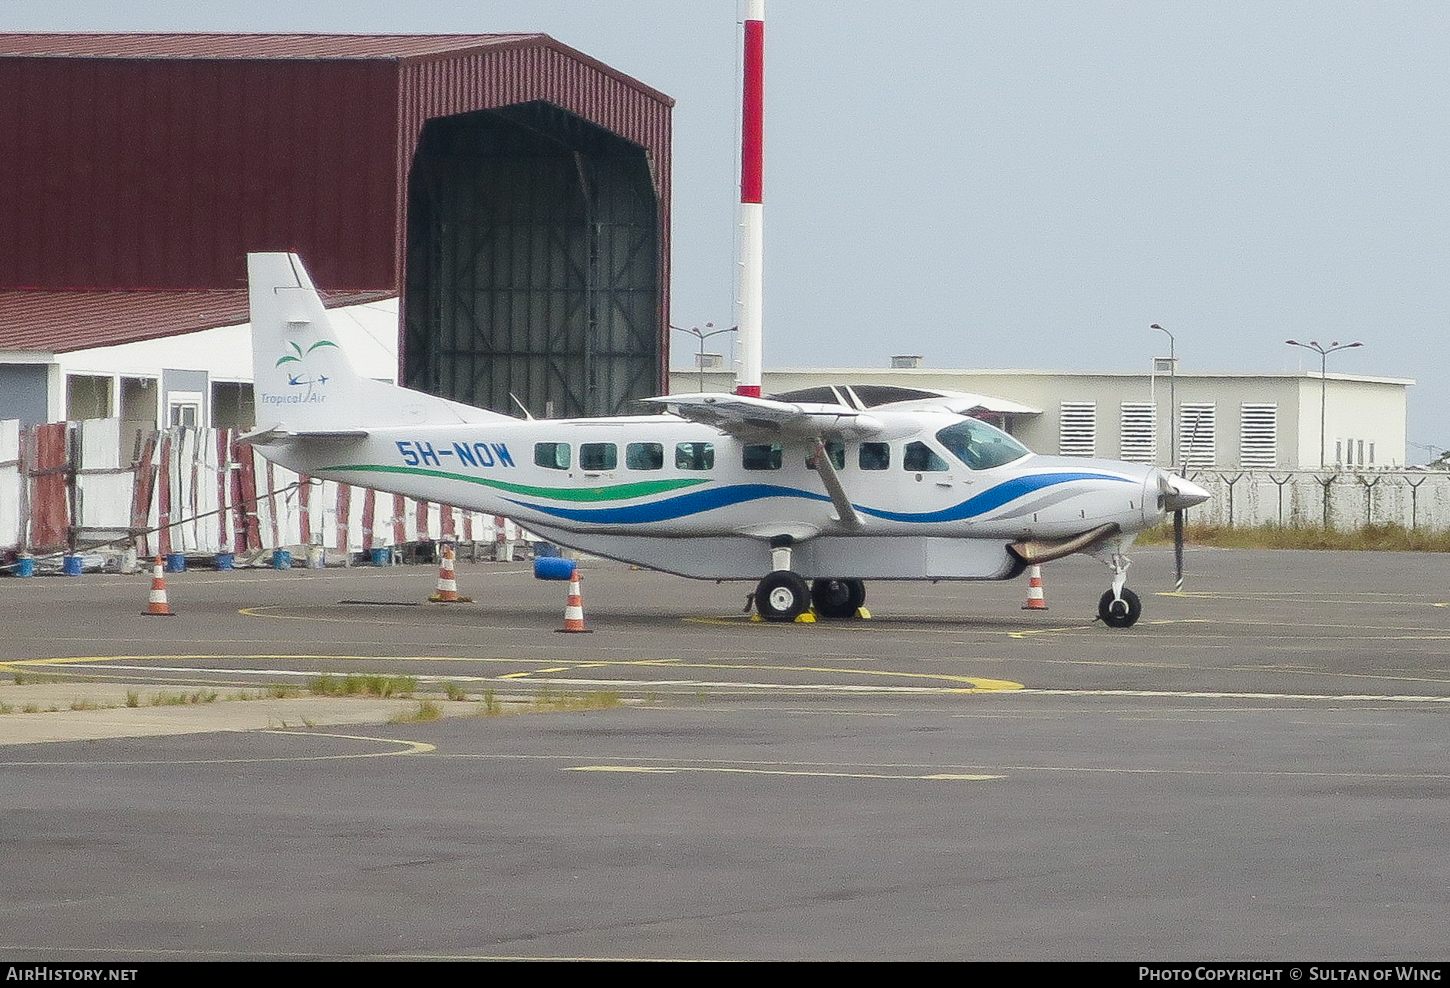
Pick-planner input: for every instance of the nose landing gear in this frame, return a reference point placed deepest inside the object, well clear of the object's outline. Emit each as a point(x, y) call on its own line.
point(1121, 611)
point(1119, 607)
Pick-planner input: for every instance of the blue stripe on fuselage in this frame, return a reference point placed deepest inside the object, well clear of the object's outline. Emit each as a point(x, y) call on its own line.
point(993, 497)
point(697, 502)
point(675, 507)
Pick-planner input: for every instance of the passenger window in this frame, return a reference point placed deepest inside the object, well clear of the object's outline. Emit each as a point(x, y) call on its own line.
point(644, 456)
point(598, 456)
point(874, 456)
point(694, 456)
point(553, 456)
point(921, 458)
point(837, 453)
point(759, 456)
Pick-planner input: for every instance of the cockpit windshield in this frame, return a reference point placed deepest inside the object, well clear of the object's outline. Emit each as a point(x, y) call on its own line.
point(979, 445)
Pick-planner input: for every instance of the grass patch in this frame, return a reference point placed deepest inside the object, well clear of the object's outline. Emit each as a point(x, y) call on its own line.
point(183, 699)
point(491, 706)
point(133, 698)
point(550, 700)
point(1380, 538)
point(30, 708)
point(83, 704)
point(427, 710)
point(454, 691)
point(38, 678)
point(6, 708)
point(281, 691)
point(357, 685)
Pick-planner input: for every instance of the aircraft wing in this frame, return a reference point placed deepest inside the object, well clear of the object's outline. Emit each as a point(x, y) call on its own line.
point(762, 419)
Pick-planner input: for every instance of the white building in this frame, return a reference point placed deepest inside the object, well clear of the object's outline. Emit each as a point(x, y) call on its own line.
point(1224, 421)
point(201, 378)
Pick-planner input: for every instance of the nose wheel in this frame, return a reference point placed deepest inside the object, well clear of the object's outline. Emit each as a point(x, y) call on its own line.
point(1120, 611)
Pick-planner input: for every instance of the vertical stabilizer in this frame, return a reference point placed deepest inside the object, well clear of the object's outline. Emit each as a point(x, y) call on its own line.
point(302, 379)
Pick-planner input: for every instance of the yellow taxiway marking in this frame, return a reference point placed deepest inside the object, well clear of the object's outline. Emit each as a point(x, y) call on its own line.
point(672, 769)
point(407, 748)
point(960, 684)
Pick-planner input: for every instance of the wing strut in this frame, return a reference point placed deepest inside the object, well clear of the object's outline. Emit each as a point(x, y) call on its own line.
point(845, 511)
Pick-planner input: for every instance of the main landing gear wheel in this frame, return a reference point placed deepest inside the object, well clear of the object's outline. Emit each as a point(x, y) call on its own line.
point(782, 596)
point(837, 599)
point(1120, 613)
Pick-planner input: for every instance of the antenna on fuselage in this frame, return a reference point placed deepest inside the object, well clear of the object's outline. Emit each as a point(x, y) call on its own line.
point(522, 407)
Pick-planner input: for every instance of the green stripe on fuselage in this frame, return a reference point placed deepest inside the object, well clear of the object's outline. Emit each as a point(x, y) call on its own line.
point(619, 492)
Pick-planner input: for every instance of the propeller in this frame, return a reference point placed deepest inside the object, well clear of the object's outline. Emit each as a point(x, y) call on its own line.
point(1179, 494)
point(1178, 551)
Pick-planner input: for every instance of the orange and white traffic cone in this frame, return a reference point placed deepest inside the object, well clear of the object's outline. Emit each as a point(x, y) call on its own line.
point(447, 585)
point(574, 610)
point(158, 603)
point(1035, 600)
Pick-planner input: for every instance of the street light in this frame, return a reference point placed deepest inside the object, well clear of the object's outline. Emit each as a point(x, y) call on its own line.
point(1324, 353)
point(1172, 396)
point(702, 336)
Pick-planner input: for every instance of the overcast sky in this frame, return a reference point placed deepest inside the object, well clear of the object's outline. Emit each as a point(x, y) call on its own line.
point(1022, 184)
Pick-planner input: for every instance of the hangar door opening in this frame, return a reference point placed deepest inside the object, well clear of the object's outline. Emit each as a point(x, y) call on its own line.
point(533, 264)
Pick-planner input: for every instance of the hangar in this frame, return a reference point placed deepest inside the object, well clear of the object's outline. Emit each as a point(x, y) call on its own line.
point(512, 192)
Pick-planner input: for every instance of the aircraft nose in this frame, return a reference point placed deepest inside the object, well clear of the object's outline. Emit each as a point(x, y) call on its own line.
point(1180, 493)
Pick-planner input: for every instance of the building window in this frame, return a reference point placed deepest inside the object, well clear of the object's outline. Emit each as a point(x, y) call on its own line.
point(184, 408)
point(1138, 432)
point(1077, 428)
point(1259, 435)
point(1197, 445)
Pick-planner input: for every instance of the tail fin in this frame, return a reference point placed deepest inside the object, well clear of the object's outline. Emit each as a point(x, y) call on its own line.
point(303, 380)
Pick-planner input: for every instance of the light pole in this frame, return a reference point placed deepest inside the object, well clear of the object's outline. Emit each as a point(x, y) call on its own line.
point(702, 335)
point(1324, 353)
point(1172, 396)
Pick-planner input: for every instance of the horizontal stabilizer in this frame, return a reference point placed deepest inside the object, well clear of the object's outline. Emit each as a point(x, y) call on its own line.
point(272, 435)
point(303, 381)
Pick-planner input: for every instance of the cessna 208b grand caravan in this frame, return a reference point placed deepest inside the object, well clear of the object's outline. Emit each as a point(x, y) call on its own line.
point(810, 494)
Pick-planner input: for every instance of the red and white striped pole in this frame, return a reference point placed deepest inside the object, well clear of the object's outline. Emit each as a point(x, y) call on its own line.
point(752, 173)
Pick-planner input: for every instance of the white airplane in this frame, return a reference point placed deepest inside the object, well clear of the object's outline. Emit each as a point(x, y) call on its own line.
point(810, 494)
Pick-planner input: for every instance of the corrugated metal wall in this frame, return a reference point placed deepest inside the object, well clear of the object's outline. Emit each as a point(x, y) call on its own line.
point(162, 174)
